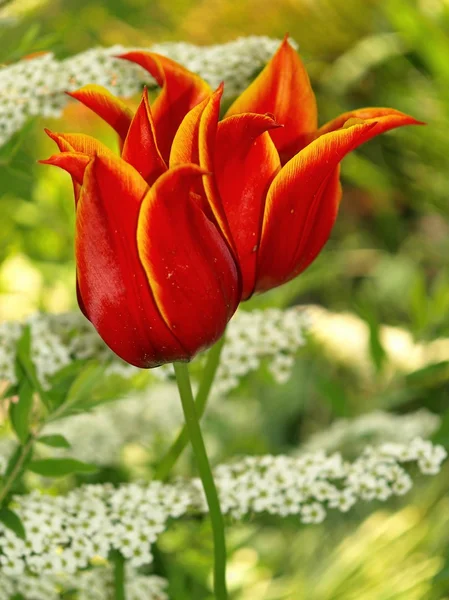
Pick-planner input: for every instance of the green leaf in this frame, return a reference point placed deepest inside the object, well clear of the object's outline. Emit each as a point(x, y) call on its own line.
point(80, 391)
point(54, 440)
point(19, 412)
point(25, 366)
point(60, 467)
point(12, 521)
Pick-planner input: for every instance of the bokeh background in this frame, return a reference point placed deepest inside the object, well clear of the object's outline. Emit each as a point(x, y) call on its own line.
point(387, 264)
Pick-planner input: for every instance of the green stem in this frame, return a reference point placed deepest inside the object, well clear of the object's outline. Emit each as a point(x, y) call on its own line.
point(16, 468)
point(119, 576)
point(199, 450)
point(168, 461)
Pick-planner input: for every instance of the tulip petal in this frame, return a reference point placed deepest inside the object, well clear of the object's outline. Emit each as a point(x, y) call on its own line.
point(386, 119)
point(112, 281)
point(194, 143)
point(107, 106)
point(74, 163)
point(181, 91)
point(283, 89)
point(78, 142)
point(301, 204)
point(140, 147)
point(319, 228)
point(246, 162)
point(75, 144)
point(191, 271)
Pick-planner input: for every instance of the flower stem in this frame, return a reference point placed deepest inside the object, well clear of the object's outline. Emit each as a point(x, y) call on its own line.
point(213, 360)
point(119, 575)
point(199, 449)
point(15, 468)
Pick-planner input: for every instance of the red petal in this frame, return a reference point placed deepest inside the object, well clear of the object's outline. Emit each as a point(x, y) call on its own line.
point(301, 205)
point(74, 163)
point(385, 118)
point(78, 142)
point(112, 281)
point(181, 91)
point(283, 89)
point(192, 274)
point(194, 143)
point(319, 227)
point(105, 105)
point(246, 161)
point(140, 147)
point(74, 144)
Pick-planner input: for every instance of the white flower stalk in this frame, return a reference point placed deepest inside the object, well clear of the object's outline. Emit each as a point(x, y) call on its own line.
point(66, 534)
point(251, 337)
point(36, 87)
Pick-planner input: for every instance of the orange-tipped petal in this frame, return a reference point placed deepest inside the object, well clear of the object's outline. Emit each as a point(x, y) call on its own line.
point(181, 91)
point(140, 147)
point(192, 273)
point(194, 142)
point(283, 89)
point(113, 284)
point(74, 163)
point(246, 161)
point(105, 105)
point(75, 143)
point(78, 142)
point(301, 206)
point(385, 118)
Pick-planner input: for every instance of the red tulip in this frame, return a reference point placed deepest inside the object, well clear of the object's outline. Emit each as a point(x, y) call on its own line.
point(199, 214)
point(154, 275)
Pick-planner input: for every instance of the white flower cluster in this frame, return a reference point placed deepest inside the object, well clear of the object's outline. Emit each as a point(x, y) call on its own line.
point(251, 336)
point(309, 484)
point(36, 86)
point(95, 584)
point(67, 533)
point(76, 531)
point(374, 428)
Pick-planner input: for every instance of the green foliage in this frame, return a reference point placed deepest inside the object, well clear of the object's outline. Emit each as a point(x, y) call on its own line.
point(12, 522)
point(60, 467)
point(54, 441)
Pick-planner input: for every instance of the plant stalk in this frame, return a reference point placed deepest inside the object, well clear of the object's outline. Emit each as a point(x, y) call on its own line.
point(119, 576)
point(199, 449)
point(169, 460)
point(16, 469)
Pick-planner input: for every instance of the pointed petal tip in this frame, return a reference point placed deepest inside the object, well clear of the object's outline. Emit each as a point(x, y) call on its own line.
point(53, 135)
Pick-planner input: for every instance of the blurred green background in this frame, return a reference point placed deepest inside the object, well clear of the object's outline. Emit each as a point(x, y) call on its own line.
point(387, 262)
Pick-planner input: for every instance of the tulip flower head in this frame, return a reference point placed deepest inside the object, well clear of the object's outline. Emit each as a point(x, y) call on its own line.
point(198, 213)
